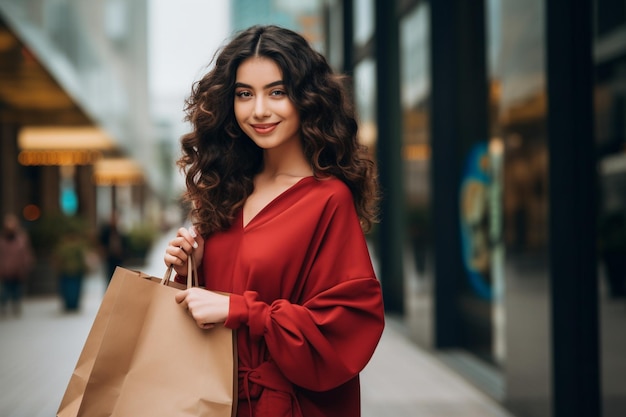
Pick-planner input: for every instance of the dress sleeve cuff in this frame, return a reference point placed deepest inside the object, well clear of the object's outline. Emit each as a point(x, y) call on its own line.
point(237, 313)
point(246, 309)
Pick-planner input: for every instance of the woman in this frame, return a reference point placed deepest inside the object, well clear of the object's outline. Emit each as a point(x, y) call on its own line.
point(281, 192)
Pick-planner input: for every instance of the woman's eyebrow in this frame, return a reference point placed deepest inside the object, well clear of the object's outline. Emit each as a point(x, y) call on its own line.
point(270, 85)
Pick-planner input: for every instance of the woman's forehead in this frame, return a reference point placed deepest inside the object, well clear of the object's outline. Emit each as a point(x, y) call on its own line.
point(258, 71)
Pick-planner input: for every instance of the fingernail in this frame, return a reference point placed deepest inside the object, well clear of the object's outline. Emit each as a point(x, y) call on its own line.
point(195, 245)
point(192, 232)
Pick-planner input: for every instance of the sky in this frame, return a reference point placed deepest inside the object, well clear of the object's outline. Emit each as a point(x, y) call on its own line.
point(183, 36)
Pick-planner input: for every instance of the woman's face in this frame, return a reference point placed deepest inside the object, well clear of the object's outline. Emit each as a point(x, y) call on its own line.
point(262, 107)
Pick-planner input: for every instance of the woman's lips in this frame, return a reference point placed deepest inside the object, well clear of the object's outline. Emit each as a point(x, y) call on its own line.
point(264, 128)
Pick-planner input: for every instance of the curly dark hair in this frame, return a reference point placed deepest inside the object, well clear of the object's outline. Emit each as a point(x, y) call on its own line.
point(220, 161)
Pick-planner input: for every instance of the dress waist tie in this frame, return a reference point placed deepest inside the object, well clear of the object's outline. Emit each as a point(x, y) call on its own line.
point(268, 376)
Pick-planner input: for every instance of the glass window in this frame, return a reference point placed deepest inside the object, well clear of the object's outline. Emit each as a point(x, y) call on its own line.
point(518, 149)
point(363, 21)
point(610, 137)
point(415, 94)
point(365, 99)
point(116, 20)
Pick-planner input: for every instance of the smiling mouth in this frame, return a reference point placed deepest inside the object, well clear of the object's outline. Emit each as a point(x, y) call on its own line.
point(264, 128)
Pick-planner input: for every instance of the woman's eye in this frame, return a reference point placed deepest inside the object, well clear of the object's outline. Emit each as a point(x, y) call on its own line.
point(277, 93)
point(243, 94)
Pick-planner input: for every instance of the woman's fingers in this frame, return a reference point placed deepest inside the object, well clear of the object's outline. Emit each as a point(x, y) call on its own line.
point(187, 239)
point(180, 247)
point(205, 307)
point(180, 297)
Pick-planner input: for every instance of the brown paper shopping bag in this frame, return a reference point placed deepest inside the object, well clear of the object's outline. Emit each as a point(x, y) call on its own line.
point(145, 357)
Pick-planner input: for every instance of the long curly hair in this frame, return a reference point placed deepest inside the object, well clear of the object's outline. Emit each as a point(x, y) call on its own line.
point(219, 161)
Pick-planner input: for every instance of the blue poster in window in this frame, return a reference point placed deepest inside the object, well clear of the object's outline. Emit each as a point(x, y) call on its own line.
point(474, 217)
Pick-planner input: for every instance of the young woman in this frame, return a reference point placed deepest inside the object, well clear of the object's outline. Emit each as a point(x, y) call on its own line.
point(281, 193)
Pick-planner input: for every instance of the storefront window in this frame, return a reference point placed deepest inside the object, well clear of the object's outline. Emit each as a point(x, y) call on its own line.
point(517, 112)
point(610, 137)
point(365, 99)
point(415, 93)
point(363, 21)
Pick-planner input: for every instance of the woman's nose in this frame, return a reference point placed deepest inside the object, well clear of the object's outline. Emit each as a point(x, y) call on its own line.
point(261, 109)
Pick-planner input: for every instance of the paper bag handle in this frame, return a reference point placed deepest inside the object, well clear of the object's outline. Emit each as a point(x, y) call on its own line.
point(192, 273)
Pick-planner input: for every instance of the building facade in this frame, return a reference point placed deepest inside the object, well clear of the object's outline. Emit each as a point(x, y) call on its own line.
point(499, 129)
point(304, 16)
point(75, 133)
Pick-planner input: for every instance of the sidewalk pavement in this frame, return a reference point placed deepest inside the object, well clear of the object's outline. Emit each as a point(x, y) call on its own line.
point(39, 350)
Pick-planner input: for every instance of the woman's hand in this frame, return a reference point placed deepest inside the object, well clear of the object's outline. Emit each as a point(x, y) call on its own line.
point(206, 307)
point(187, 241)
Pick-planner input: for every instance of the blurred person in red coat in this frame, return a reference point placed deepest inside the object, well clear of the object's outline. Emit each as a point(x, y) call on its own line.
point(16, 262)
point(281, 194)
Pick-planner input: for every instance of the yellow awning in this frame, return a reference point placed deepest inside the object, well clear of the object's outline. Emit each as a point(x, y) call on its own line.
point(65, 138)
point(117, 171)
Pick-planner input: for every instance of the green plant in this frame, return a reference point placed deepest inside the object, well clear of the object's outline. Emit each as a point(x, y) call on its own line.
point(64, 240)
point(48, 231)
point(70, 256)
point(140, 239)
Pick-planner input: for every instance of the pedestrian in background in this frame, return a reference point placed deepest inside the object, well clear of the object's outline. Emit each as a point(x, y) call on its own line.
point(112, 245)
point(16, 262)
point(281, 192)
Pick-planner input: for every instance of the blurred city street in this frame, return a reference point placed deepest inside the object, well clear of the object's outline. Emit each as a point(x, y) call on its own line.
point(39, 350)
point(501, 289)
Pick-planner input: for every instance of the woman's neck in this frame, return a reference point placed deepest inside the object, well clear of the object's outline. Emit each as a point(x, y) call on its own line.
point(285, 162)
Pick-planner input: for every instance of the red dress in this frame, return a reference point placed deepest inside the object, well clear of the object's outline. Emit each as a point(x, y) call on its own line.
point(305, 302)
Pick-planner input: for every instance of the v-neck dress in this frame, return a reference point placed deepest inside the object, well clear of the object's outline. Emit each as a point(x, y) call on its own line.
point(305, 301)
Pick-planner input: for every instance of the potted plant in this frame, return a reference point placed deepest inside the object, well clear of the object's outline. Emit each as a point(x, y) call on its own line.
point(139, 240)
point(45, 234)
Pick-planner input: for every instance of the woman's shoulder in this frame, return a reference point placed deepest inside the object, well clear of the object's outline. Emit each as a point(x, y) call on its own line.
point(333, 187)
point(330, 192)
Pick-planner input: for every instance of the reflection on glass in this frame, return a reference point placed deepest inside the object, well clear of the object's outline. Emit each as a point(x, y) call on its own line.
point(365, 99)
point(415, 93)
point(610, 137)
point(518, 147)
point(363, 21)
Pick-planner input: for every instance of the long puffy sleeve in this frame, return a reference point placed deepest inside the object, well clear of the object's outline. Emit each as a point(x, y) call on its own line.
point(325, 342)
